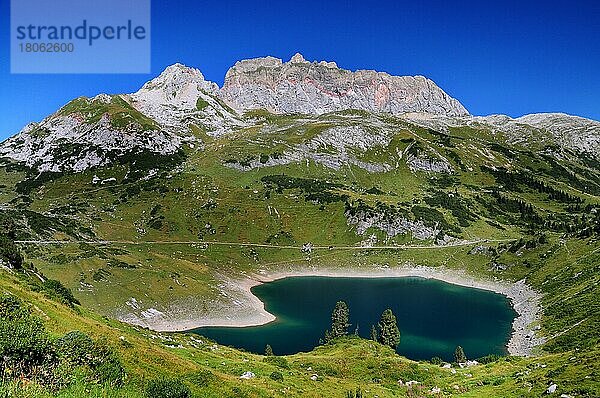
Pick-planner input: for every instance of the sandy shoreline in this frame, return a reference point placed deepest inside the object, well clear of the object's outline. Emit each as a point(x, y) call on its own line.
point(245, 309)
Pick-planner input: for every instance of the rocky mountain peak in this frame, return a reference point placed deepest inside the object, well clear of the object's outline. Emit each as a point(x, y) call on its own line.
point(299, 86)
point(298, 59)
point(176, 79)
point(252, 65)
point(180, 96)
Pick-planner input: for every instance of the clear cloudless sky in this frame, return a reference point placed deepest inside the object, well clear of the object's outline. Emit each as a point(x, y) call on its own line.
point(510, 57)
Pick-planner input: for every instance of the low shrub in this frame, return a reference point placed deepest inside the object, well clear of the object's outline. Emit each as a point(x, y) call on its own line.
point(201, 378)
point(167, 388)
point(436, 361)
point(110, 371)
point(489, 358)
point(25, 347)
point(277, 361)
point(78, 349)
point(277, 376)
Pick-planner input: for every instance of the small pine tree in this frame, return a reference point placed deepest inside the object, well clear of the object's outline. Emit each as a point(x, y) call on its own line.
point(352, 394)
point(388, 332)
point(268, 350)
point(373, 334)
point(459, 355)
point(339, 320)
point(327, 339)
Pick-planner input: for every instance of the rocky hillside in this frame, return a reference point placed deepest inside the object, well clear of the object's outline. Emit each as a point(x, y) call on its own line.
point(180, 110)
point(89, 132)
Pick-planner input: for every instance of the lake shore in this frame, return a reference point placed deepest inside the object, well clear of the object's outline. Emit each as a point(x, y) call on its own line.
point(245, 309)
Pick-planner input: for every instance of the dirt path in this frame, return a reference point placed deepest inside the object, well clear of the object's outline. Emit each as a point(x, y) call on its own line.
point(201, 242)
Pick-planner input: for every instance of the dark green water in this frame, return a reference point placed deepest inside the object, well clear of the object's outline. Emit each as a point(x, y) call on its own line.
point(434, 317)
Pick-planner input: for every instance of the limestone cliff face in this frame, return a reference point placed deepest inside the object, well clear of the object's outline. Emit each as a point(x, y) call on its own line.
point(299, 86)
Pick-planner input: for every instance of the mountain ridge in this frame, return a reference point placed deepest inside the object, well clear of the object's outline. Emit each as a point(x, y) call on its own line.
point(300, 86)
point(180, 108)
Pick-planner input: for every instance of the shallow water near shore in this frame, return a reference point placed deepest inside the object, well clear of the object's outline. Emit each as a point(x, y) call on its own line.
point(433, 316)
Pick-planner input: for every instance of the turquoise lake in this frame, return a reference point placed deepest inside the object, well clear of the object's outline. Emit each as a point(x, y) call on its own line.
point(433, 316)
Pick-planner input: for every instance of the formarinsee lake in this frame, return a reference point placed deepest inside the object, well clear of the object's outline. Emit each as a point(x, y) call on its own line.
point(433, 316)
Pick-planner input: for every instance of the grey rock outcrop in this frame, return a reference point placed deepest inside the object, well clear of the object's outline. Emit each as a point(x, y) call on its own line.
point(334, 148)
point(180, 96)
point(395, 225)
point(575, 133)
point(299, 86)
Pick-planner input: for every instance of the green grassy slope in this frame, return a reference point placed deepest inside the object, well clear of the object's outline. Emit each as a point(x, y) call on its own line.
point(150, 234)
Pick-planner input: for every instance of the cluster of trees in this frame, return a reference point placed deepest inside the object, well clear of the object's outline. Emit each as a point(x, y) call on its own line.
point(318, 191)
point(579, 220)
point(514, 181)
point(457, 205)
point(9, 252)
point(514, 205)
point(385, 332)
point(585, 224)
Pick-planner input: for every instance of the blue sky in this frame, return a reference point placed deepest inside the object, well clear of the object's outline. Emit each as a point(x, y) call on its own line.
point(495, 57)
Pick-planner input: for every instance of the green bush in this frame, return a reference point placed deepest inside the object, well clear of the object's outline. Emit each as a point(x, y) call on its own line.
point(201, 378)
point(436, 360)
point(201, 104)
point(28, 352)
point(25, 347)
point(110, 371)
point(277, 376)
point(277, 361)
point(489, 358)
point(78, 349)
point(167, 388)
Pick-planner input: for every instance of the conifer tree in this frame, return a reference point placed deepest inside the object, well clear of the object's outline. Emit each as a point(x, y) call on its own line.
point(459, 355)
point(268, 350)
point(373, 334)
point(339, 320)
point(388, 332)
